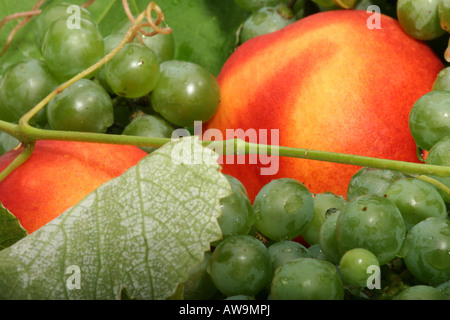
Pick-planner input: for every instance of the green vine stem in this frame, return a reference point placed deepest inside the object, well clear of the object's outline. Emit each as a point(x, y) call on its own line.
point(28, 135)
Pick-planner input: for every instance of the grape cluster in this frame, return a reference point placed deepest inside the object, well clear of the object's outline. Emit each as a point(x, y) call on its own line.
point(142, 91)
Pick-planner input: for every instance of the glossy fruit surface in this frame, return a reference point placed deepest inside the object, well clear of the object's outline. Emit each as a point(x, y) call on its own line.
point(58, 175)
point(317, 81)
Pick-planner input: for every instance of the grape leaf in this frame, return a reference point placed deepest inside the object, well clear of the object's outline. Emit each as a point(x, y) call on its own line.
point(139, 233)
point(10, 229)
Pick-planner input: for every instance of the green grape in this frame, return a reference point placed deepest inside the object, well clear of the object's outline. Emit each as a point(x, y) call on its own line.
point(266, 20)
point(322, 203)
point(240, 297)
point(442, 81)
point(416, 200)
point(7, 143)
point(429, 118)
point(185, 93)
point(68, 52)
point(426, 250)
point(23, 86)
point(110, 42)
point(420, 18)
point(236, 183)
point(444, 14)
point(240, 265)
point(284, 209)
point(253, 5)
point(307, 279)
point(326, 3)
point(163, 45)
point(133, 72)
point(439, 155)
point(373, 223)
point(238, 215)
point(199, 285)
point(84, 106)
point(316, 252)
point(445, 288)
point(371, 181)
point(147, 125)
point(54, 12)
point(299, 9)
point(354, 265)
point(283, 251)
point(420, 292)
point(328, 241)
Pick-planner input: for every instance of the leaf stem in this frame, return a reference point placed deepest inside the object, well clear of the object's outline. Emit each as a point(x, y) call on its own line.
point(18, 161)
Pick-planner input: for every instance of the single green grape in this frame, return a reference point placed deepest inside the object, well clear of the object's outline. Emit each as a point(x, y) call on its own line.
point(444, 288)
point(54, 12)
point(133, 72)
point(110, 43)
point(147, 125)
point(283, 251)
point(420, 292)
point(266, 20)
point(322, 203)
point(284, 208)
point(254, 5)
point(439, 155)
point(199, 285)
point(429, 118)
point(299, 9)
point(240, 265)
point(68, 52)
point(416, 200)
point(238, 215)
point(354, 266)
point(373, 223)
point(444, 14)
point(84, 106)
point(236, 183)
point(307, 279)
point(426, 250)
point(328, 241)
point(371, 181)
point(23, 86)
point(442, 81)
point(316, 252)
point(420, 18)
point(185, 93)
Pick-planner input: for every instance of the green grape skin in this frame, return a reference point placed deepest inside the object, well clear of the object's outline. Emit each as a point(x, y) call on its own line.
point(147, 125)
point(322, 203)
point(52, 13)
point(68, 52)
point(444, 288)
point(236, 183)
point(354, 264)
point(420, 292)
point(442, 81)
point(420, 18)
point(199, 285)
point(307, 279)
point(283, 251)
point(371, 222)
point(185, 93)
point(371, 181)
point(110, 42)
point(254, 5)
point(439, 155)
point(240, 265)
point(240, 297)
point(429, 119)
point(284, 208)
point(299, 9)
point(23, 86)
point(7, 143)
point(264, 21)
point(426, 250)
point(328, 241)
point(84, 106)
point(238, 215)
point(416, 200)
point(444, 14)
point(316, 252)
point(134, 72)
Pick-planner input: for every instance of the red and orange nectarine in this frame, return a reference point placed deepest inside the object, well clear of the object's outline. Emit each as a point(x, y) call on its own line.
point(58, 175)
point(327, 82)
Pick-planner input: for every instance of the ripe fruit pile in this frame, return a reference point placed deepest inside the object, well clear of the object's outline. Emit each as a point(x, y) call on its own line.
point(313, 230)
